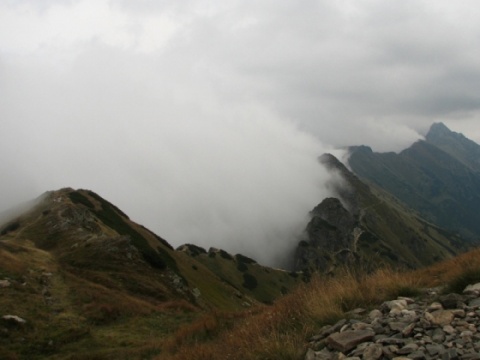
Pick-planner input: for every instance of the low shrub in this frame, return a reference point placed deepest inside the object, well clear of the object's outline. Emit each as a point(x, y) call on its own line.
point(242, 267)
point(249, 281)
point(78, 198)
point(244, 259)
point(10, 227)
point(225, 255)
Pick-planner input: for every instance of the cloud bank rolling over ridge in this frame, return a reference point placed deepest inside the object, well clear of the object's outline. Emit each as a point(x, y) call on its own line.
point(203, 120)
point(193, 168)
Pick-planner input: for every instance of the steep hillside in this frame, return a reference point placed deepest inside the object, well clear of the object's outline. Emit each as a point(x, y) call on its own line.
point(367, 227)
point(263, 283)
point(455, 144)
point(441, 183)
point(82, 275)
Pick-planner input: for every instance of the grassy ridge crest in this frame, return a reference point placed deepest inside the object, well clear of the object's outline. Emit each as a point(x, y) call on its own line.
point(111, 216)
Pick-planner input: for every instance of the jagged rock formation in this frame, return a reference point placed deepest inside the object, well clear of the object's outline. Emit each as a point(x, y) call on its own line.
point(430, 327)
point(333, 234)
point(367, 227)
point(331, 226)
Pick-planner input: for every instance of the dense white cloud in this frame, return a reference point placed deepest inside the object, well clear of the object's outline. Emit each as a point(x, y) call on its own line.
point(203, 119)
point(161, 144)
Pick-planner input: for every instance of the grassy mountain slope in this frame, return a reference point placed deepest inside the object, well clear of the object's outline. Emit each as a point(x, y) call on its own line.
point(263, 283)
point(91, 283)
point(443, 189)
point(368, 227)
point(455, 144)
point(283, 330)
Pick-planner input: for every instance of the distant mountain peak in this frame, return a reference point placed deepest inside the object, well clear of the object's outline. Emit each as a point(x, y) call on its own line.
point(455, 144)
point(439, 131)
point(439, 128)
point(439, 177)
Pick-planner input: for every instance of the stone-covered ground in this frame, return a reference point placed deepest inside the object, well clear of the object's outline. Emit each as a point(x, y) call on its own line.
point(431, 326)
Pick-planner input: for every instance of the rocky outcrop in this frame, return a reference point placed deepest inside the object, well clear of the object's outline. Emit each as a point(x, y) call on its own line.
point(331, 226)
point(365, 226)
point(13, 320)
point(349, 339)
point(430, 327)
point(331, 237)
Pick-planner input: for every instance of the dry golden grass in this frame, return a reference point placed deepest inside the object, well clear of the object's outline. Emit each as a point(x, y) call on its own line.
point(280, 331)
point(455, 273)
point(102, 305)
point(102, 310)
point(178, 305)
point(328, 299)
point(274, 332)
point(10, 263)
point(16, 258)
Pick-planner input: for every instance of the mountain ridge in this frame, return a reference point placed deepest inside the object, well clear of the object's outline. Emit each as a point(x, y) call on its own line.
point(455, 144)
point(364, 226)
point(82, 275)
point(75, 264)
point(429, 178)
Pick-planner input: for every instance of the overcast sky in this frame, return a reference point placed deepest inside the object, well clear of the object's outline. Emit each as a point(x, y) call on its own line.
point(203, 119)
